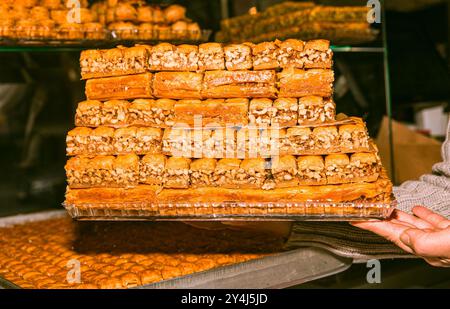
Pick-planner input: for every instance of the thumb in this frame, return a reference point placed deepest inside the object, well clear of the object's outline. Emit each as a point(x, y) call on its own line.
point(427, 243)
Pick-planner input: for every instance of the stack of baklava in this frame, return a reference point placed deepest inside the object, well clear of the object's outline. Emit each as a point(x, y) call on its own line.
point(340, 24)
point(212, 130)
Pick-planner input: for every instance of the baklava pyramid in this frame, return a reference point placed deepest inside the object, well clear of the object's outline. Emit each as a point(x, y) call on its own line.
point(211, 131)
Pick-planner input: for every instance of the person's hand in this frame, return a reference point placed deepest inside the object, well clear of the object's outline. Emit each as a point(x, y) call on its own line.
point(276, 228)
point(426, 234)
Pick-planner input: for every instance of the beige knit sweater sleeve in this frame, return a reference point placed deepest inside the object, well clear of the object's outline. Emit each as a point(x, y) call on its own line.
point(431, 190)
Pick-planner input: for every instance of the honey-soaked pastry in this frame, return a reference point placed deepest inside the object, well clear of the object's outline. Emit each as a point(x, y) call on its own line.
point(70, 31)
point(151, 169)
point(25, 28)
point(88, 142)
point(260, 111)
point(6, 28)
point(297, 140)
point(284, 172)
point(318, 55)
point(158, 15)
point(213, 111)
point(238, 57)
point(148, 140)
point(125, 140)
point(174, 13)
point(146, 31)
point(148, 112)
point(311, 170)
point(177, 141)
point(176, 173)
point(94, 31)
point(252, 173)
point(120, 87)
point(179, 29)
point(114, 112)
point(123, 30)
point(339, 14)
point(26, 3)
point(226, 171)
point(88, 113)
point(45, 28)
point(103, 171)
point(202, 172)
point(239, 84)
point(39, 13)
point(326, 138)
point(285, 112)
point(211, 57)
point(177, 85)
point(124, 12)
point(168, 57)
point(290, 53)
point(265, 56)
point(113, 62)
point(145, 14)
point(51, 4)
point(59, 16)
point(295, 83)
point(162, 32)
point(337, 168)
point(364, 167)
point(194, 31)
point(313, 109)
point(353, 136)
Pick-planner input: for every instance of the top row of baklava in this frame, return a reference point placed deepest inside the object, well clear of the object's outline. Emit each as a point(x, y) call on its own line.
point(314, 54)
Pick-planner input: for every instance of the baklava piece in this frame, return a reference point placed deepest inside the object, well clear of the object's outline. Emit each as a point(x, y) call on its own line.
point(284, 172)
point(77, 141)
point(148, 140)
point(252, 173)
point(103, 171)
point(94, 31)
point(225, 173)
point(136, 86)
point(265, 56)
point(326, 139)
point(261, 111)
point(353, 137)
point(126, 170)
point(285, 112)
point(174, 13)
point(337, 168)
point(364, 167)
point(202, 172)
point(114, 113)
point(86, 141)
point(300, 83)
point(318, 55)
point(125, 140)
point(239, 84)
point(168, 57)
point(178, 85)
point(176, 173)
point(88, 114)
point(238, 57)
point(297, 140)
point(114, 62)
point(289, 53)
point(221, 143)
point(123, 30)
point(177, 142)
point(311, 170)
point(313, 110)
point(151, 169)
point(211, 57)
point(147, 112)
point(211, 112)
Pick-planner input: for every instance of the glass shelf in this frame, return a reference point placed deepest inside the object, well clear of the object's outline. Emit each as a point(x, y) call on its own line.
point(78, 48)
